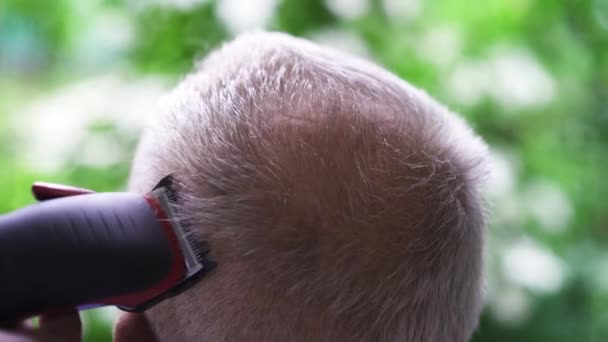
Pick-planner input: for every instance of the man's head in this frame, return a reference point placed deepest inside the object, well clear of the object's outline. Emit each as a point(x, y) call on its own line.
point(340, 202)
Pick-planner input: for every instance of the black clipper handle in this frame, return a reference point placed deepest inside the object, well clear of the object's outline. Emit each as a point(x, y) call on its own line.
point(77, 250)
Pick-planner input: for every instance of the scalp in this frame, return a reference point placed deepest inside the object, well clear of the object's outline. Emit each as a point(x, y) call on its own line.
point(340, 202)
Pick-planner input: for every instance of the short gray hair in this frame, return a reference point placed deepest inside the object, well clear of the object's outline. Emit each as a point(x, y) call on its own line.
point(340, 202)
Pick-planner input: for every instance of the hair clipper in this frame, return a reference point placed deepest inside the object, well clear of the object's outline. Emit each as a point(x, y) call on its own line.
point(77, 248)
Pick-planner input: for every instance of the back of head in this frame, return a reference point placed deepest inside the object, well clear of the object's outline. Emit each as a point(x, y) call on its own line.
point(340, 202)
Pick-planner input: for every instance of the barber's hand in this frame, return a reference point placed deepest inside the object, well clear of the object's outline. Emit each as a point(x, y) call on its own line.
point(64, 327)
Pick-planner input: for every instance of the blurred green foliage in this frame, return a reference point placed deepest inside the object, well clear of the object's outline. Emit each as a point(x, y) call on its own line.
point(164, 26)
point(530, 76)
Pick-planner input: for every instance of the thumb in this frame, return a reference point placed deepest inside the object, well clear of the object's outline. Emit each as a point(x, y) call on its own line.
point(133, 327)
point(62, 326)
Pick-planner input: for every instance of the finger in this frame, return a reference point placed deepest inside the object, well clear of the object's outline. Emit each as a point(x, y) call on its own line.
point(65, 326)
point(28, 324)
point(15, 337)
point(133, 327)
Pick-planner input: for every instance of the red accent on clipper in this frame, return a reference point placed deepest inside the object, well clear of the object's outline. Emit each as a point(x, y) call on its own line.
point(175, 275)
point(45, 191)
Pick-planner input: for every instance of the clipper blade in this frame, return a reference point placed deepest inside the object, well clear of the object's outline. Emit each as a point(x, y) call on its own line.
point(194, 252)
